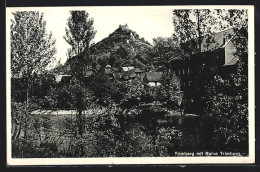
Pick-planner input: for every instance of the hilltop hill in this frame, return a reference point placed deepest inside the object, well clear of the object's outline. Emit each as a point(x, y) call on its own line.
point(122, 47)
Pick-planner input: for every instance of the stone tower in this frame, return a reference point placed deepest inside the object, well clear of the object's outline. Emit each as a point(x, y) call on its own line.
point(123, 27)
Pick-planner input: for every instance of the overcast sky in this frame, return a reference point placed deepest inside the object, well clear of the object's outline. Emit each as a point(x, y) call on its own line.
point(148, 22)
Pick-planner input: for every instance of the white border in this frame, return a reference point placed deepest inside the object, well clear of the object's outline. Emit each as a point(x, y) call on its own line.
point(145, 160)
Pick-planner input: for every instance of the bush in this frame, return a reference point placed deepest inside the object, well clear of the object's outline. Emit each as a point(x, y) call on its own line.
point(26, 149)
point(167, 140)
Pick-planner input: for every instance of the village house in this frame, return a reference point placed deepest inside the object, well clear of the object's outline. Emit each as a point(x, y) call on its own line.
point(152, 78)
point(217, 53)
point(62, 78)
point(126, 68)
point(138, 71)
point(128, 75)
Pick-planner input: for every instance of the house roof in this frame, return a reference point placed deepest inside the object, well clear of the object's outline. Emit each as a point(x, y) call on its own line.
point(216, 40)
point(127, 68)
point(108, 66)
point(138, 70)
point(231, 62)
point(129, 73)
point(115, 69)
point(58, 78)
point(153, 76)
point(213, 41)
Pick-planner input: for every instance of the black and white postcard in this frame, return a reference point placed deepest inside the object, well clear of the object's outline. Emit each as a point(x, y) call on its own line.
point(130, 85)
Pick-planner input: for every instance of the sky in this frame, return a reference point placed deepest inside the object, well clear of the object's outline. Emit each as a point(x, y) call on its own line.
point(148, 22)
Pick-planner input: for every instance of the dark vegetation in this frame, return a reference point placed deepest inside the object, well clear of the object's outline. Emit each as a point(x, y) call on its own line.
point(122, 118)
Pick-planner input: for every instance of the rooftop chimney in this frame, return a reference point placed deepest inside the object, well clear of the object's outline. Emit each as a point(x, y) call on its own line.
point(224, 41)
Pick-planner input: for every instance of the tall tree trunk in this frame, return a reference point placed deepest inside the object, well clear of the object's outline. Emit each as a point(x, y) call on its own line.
point(15, 131)
point(27, 113)
point(198, 22)
point(15, 124)
point(78, 49)
point(154, 135)
point(80, 109)
point(19, 131)
point(80, 125)
point(168, 81)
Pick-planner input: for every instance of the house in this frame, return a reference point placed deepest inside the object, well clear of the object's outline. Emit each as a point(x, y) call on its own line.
point(62, 78)
point(126, 68)
point(65, 79)
point(216, 53)
point(153, 78)
point(138, 71)
point(129, 74)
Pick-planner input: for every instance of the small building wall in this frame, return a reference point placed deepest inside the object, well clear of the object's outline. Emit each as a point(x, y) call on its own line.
point(153, 84)
point(229, 51)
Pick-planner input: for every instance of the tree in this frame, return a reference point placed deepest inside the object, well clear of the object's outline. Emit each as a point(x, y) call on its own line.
point(171, 90)
point(166, 50)
point(80, 32)
point(226, 107)
point(32, 49)
point(191, 25)
point(229, 103)
point(132, 92)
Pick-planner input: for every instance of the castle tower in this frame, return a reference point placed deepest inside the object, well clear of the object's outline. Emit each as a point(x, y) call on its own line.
point(124, 27)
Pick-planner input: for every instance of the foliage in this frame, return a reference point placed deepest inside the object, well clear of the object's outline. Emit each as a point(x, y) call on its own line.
point(103, 88)
point(38, 128)
point(32, 51)
point(167, 141)
point(192, 25)
point(166, 50)
point(109, 121)
point(171, 93)
point(79, 33)
point(18, 118)
point(120, 49)
point(32, 47)
point(229, 103)
point(131, 92)
point(231, 117)
point(225, 105)
point(25, 149)
point(81, 99)
point(135, 143)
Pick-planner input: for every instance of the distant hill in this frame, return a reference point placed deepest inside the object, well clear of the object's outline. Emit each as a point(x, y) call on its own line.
point(122, 47)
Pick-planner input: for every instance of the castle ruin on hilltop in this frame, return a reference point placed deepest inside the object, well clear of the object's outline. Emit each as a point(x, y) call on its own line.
point(124, 27)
